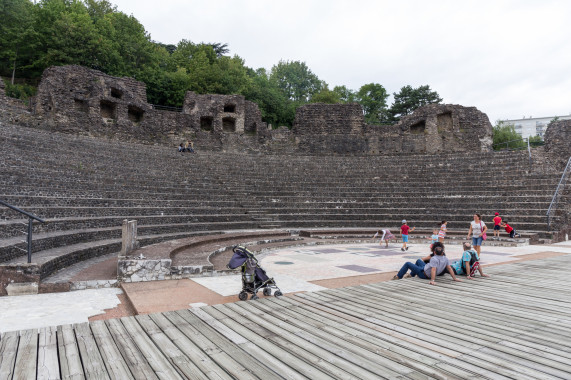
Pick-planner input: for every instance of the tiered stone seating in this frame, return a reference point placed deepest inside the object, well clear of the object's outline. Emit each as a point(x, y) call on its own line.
point(85, 187)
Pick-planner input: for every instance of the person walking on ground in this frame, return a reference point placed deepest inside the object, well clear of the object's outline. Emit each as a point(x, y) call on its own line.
point(404, 230)
point(478, 231)
point(509, 229)
point(442, 232)
point(497, 225)
point(387, 235)
point(436, 266)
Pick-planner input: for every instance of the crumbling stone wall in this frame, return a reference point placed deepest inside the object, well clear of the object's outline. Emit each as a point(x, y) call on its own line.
point(558, 139)
point(439, 128)
point(330, 128)
point(81, 100)
point(341, 128)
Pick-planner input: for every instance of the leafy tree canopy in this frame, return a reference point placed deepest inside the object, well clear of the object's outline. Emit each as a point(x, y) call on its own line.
point(296, 80)
point(373, 98)
point(408, 99)
point(505, 137)
point(37, 34)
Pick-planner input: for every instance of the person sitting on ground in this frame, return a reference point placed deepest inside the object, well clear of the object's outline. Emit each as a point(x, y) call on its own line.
point(436, 266)
point(190, 146)
point(387, 235)
point(469, 264)
point(509, 229)
point(404, 230)
point(497, 225)
point(434, 239)
point(181, 148)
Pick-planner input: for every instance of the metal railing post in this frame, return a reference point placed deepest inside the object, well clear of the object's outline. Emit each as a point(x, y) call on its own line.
point(30, 230)
point(529, 152)
point(31, 218)
point(555, 198)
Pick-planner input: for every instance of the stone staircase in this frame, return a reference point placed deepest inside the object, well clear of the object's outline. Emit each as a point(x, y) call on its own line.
point(84, 187)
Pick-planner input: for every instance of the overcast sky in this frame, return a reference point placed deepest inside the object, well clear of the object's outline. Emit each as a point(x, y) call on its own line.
point(507, 58)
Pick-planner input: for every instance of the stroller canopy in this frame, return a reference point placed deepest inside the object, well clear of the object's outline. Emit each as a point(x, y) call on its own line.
point(239, 257)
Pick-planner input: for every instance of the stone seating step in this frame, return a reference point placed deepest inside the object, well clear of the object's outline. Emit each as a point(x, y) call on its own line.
point(52, 260)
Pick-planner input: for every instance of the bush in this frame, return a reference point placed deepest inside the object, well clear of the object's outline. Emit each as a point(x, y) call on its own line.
point(20, 91)
point(505, 137)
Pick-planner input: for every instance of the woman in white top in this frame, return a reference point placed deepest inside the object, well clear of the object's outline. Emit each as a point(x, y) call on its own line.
point(477, 229)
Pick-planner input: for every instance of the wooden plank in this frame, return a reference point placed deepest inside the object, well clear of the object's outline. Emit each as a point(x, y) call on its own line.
point(117, 368)
point(481, 312)
point(337, 362)
point(26, 358)
point(68, 353)
point(256, 346)
point(457, 335)
point(8, 352)
point(170, 351)
point(488, 367)
point(162, 367)
point(383, 340)
point(138, 365)
point(206, 362)
point(373, 346)
point(481, 336)
point(93, 364)
point(487, 325)
point(48, 362)
point(450, 362)
point(260, 360)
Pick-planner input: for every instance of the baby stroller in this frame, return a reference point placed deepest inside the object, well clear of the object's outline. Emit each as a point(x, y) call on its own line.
point(253, 276)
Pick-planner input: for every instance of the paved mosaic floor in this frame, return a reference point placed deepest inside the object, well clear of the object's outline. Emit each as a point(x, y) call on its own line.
point(293, 269)
point(333, 261)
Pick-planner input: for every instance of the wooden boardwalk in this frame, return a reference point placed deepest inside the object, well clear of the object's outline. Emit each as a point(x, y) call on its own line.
point(514, 325)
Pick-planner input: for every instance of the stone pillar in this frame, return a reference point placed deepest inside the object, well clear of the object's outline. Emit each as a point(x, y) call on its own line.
point(129, 237)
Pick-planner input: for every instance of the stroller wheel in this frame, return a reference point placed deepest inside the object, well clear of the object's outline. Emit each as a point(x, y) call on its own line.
point(254, 297)
point(267, 291)
point(243, 296)
point(278, 293)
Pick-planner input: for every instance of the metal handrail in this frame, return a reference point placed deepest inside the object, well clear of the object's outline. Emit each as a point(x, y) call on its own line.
point(555, 198)
point(31, 218)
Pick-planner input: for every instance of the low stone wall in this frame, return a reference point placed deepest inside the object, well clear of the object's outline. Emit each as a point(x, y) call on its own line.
point(19, 279)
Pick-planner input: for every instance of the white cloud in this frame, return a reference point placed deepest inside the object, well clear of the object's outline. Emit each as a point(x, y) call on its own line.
point(508, 58)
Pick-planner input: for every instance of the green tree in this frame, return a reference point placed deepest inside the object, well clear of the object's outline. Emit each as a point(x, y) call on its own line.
point(275, 107)
point(505, 137)
point(373, 99)
point(325, 95)
point(408, 99)
point(345, 94)
point(17, 35)
point(296, 80)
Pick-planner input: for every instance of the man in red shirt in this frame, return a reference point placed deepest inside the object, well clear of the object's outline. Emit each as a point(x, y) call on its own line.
point(497, 225)
point(404, 229)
